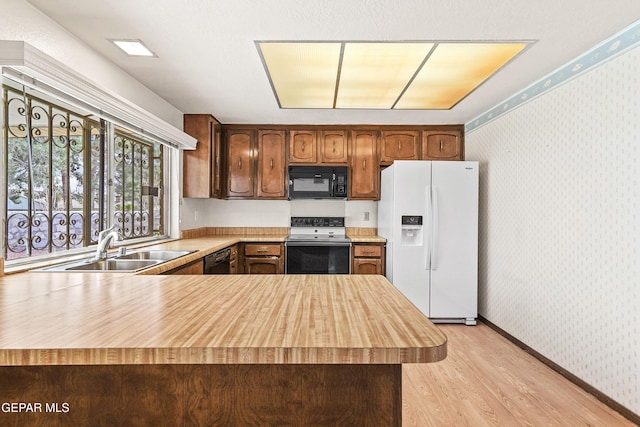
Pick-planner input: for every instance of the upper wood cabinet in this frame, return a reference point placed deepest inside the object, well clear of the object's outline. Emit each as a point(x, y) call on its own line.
point(256, 164)
point(332, 146)
point(218, 166)
point(323, 146)
point(442, 145)
point(364, 168)
point(202, 167)
point(255, 157)
point(272, 171)
point(399, 145)
point(302, 146)
point(240, 175)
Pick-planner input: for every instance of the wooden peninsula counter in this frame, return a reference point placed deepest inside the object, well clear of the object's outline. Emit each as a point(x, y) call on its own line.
point(123, 349)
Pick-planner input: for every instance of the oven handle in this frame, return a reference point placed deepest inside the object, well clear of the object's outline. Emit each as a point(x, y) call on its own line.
point(314, 243)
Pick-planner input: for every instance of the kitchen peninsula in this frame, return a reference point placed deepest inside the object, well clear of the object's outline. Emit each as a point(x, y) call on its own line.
point(209, 350)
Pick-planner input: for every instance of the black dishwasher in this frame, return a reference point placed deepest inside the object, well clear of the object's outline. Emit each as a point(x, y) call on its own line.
point(217, 262)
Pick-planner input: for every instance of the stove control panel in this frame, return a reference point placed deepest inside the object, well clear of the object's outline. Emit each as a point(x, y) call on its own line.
point(317, 221)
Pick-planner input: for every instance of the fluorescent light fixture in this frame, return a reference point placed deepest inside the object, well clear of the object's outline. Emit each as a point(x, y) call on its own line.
point(303, 74)
point(453, 71)
point(423, 75)
point(374, 74)
point(133, 47)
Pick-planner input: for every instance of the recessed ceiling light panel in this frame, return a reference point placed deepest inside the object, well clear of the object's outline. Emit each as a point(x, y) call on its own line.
point(133, 47)
point(453, 71)
point(419, 75)
point(303, 75)
point(373, 75)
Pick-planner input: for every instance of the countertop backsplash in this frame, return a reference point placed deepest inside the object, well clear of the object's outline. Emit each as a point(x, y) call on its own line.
point(196, 213)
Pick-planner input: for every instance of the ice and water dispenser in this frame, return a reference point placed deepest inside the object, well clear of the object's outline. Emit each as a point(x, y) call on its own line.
point(411, 230)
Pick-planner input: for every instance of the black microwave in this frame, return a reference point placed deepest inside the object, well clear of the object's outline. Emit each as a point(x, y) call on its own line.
point(317, 182)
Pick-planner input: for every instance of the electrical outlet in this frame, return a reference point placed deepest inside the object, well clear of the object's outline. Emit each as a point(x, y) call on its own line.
point(366, 216)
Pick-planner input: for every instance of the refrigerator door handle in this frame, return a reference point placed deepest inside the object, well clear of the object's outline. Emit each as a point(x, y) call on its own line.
point(435, 230)
point(427, 232)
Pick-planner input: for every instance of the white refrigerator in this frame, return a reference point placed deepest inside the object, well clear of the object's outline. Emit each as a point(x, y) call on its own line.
point(428, 212)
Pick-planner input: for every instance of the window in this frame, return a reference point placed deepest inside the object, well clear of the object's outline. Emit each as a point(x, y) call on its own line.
point(69, 174)
point(137, 172)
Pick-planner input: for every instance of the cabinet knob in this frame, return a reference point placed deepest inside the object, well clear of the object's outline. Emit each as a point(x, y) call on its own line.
point(441, 146)
point(271, 162)
point(302, 148)
point(239, 162)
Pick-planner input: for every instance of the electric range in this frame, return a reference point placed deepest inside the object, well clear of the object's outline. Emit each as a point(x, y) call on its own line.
point(317, 245)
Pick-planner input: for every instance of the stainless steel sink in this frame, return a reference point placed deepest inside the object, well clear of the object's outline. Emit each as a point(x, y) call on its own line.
point(130, 262)
point(114, 265)
point(158, 255)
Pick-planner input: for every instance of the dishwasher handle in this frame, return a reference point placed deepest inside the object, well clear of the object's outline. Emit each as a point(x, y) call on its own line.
point(217, 257)
point(221, 256)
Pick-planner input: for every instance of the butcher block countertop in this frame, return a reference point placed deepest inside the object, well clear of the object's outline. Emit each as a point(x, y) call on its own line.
point(117, 318)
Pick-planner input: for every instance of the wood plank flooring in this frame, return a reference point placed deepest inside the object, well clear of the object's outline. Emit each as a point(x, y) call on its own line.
point(488, 381)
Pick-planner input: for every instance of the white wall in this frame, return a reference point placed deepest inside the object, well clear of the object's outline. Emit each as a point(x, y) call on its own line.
point(272, 213)
point(23, 22)
point(560, 225)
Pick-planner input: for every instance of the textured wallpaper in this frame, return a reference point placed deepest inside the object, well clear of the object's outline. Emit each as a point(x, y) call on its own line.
point(560, 225)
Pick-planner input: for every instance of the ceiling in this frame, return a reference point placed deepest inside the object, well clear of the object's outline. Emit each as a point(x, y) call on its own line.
point(207, 60)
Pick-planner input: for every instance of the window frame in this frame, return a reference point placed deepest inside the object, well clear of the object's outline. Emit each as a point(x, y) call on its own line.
point(168, 165)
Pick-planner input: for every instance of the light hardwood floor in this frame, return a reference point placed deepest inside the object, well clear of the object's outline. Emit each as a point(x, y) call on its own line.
point(488, 381)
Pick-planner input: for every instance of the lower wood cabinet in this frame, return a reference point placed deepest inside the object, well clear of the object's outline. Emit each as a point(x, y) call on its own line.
point(194, 267)
point(368, 258)
point(263, 258)
point(233, 260)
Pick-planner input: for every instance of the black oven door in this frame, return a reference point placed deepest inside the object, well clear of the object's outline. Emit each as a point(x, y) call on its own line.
point(317, 258)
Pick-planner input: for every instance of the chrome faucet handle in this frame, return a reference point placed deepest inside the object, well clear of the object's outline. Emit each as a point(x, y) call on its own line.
point(106, 231)
point(105, 239)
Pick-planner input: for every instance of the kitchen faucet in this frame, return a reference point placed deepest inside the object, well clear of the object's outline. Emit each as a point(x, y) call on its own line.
point(105, 238)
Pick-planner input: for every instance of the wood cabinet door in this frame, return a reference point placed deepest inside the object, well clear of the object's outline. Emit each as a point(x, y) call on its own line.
point(258, 249)
point(400, 145)
point(332, 145)
point(240, 164)
point(216, 163)
point(367, 251)
point(233, 266)
point(364, 178)
point(442, 145)
point(302, 146)
point(262, 265)
point(272, 173)
point(195, 267)
point(367, 266)
point(196, 164)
